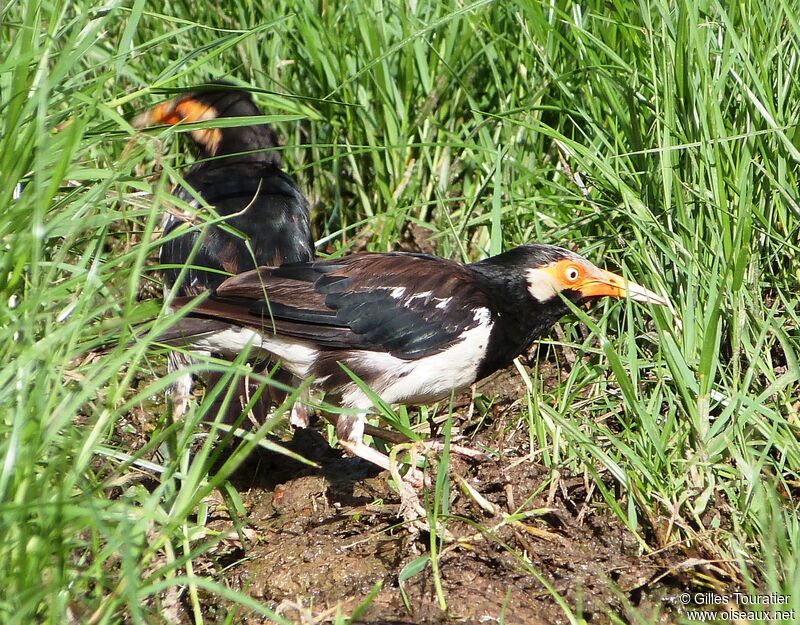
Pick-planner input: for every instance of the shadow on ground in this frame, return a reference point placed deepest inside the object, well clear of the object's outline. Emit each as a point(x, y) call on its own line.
point(319, 539)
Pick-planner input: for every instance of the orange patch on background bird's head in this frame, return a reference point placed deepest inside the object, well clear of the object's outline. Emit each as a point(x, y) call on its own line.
point(579, 275)
point(184, 110)
point(190, 110)
point(163, 113)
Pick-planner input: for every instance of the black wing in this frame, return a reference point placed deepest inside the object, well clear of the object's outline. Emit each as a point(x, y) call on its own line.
point(262, 203)
point(406, 304)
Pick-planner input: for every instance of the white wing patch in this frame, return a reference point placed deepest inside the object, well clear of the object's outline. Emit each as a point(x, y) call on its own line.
point(424, 295)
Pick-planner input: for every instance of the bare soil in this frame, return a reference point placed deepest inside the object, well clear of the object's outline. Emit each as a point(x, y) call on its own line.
point(319, 539)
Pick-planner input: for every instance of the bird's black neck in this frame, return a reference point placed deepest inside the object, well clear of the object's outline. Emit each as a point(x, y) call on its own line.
point(247, 144)
point(518, 317)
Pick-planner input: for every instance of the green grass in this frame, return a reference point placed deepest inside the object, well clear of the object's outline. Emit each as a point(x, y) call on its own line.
point(658, 138)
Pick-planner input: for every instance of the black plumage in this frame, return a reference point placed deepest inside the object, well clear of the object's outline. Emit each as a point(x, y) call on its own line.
point(251, 213)
point(265, 215)
point(413, 327)
point(262, 204)
point(365, 301)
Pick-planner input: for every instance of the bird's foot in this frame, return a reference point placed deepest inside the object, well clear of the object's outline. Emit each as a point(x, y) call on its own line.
point(466, 452)
point(409, 486)
point(301, 416)
point(414, 477)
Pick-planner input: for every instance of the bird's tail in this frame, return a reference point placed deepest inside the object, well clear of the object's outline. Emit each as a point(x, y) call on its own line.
point(184, 332)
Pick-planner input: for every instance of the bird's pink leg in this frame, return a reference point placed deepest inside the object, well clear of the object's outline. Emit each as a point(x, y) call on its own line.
point(180, 390)
point(350, 432)
point(300, 416)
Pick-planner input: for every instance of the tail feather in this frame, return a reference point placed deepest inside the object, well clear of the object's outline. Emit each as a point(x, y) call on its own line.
point(182, 333)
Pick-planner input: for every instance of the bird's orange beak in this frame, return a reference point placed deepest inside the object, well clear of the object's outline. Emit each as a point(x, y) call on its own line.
point(604, 283)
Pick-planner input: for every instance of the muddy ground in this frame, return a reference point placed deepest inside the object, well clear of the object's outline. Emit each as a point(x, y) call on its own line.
point(318, 540)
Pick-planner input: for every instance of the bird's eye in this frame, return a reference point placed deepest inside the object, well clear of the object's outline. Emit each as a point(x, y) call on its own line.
point(572, 274)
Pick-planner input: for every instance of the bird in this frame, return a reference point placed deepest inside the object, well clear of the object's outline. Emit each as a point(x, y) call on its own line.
point(413, 327)
point(264, 212)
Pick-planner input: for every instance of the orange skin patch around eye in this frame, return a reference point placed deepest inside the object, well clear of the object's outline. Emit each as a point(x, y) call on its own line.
point(185, 110)
point(588, 280)
point(591, 281)
point(190, 110)
point(193, 111)
point(163, 113)
point(566, 274)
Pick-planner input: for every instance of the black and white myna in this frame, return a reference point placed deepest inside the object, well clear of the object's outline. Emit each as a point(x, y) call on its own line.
point(413, 327)
point(238, 174)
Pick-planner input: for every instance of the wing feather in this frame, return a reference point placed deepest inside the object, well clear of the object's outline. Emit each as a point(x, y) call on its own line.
point(406, 304)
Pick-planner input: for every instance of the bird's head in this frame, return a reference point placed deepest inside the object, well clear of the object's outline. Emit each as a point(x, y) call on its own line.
point(217, 100)
point(549, 273)
point(552, 272)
